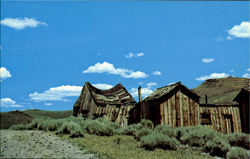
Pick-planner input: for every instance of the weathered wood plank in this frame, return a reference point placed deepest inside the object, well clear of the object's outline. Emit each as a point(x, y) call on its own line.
point(179, 110)
point(169, 113)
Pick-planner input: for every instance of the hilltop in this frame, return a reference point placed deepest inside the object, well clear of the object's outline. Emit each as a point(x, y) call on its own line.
point(221, 90)
point(22, 117)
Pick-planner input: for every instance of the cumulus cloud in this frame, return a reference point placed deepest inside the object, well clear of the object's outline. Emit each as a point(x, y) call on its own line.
point(102, 86)
point(211, 76)
point(8, 103)
point(4, 73)
point(56, 93)
point(130, 55)
point(21, 23)
point(48, 104)
point(246, 75)
point(207, 60)
point(106, 67)
point(144, 92)
point(240, 31)
point(229, 38)
point(156, 73)
point(151, 84)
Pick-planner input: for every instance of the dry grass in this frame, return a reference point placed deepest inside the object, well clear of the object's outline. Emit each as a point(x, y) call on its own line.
point(124, 147)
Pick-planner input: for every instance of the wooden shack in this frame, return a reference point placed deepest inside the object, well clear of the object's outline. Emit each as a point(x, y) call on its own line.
point(113, 104)
point(223, 117)
point(174, 105)
point(243, 99)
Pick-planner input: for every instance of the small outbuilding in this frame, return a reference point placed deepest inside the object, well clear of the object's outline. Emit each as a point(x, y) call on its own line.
point(113, 104)
point(174, 105)
point(243, 99)
point(222, 117)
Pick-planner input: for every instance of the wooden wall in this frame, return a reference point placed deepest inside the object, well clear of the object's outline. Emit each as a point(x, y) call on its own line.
point(176, 110)
point(179, 110)
point(114, 113)
point(223, 118)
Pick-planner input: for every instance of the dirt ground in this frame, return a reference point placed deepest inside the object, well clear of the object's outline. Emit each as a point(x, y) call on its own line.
point(38, 144)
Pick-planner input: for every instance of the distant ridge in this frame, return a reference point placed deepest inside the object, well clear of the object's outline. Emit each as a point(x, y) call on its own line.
point(222, 90)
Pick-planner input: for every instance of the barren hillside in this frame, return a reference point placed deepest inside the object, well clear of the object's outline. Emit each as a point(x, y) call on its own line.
point(221, 90)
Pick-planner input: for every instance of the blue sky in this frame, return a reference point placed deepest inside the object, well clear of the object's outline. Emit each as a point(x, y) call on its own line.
point(49, 49)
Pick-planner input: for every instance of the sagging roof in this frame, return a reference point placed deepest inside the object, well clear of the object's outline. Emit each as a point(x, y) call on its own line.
point(244, 93)
point(164, 91)
point(117, 95)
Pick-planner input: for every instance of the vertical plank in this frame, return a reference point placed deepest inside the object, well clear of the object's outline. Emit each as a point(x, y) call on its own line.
point(188, 112)
point(165, 105)
point(170, 112)
point(172, 100)
point(177, 108)
point(181, 109)
point(162, 121)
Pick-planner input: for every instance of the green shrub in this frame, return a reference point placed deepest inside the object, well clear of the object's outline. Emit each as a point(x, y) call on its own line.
point(237, 153)
point(166, 130)
point(198, 136)
point(18, 127)
point(159, 140)
point(99, 128)
point(147, 124)
point(181, 131)
point(34, 124)
point(142, 132)
point(240, 140)
point(131, 129)
point(217, 147)
point(71, 128)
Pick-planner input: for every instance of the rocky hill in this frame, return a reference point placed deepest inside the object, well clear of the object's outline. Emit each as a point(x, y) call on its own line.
point(221, 90)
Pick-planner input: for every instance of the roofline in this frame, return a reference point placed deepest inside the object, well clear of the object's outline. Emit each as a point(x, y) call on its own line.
point(108, 90)
point(243, 90)
point(178, 85)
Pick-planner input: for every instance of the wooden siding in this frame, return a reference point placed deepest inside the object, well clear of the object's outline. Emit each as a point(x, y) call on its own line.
point(225, 119)
point(179, 110)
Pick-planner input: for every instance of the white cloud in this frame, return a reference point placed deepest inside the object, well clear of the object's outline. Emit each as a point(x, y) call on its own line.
point(57, 93)
point(130, 55)
point(246, 75)
point(21, 23)
point(248, 69)
point(172, 83)
point(232, 70)
point(240, 31)
point(109, 68)
point(48, 104)
point(211, 76)
point(4, 73)
point(156, 73)
point(102, 86)
point(207, 60)
point(151, 84)
point(140, 83)
point(7, 103)
point(229, 38)
point(144, 92)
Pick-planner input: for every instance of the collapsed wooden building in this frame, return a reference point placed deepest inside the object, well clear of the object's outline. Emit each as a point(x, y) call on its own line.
point(172, 105)
point(113, 104)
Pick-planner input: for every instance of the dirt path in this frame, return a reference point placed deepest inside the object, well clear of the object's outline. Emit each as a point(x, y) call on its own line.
point(38, 144)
